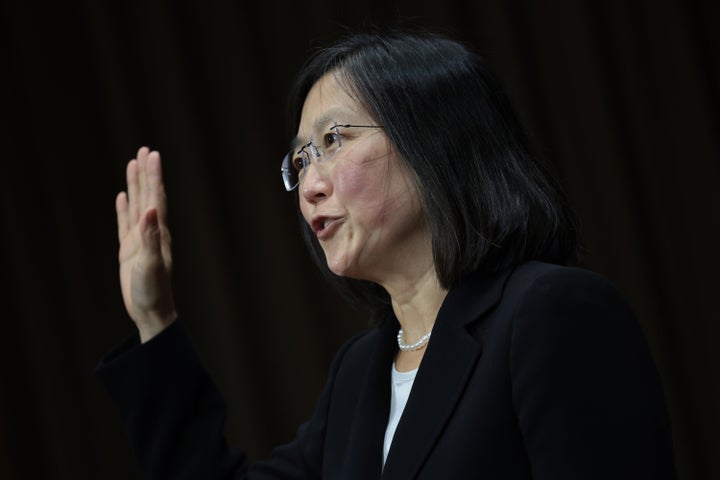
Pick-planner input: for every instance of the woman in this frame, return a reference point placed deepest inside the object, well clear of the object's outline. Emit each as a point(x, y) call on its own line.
point(491, 356)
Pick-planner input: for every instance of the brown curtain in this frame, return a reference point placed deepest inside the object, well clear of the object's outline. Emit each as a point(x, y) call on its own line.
point(623, 96)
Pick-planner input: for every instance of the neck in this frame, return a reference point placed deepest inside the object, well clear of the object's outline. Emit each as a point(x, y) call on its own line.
point(416, 304)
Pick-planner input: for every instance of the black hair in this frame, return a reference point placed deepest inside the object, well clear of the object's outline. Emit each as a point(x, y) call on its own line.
point(490, 202)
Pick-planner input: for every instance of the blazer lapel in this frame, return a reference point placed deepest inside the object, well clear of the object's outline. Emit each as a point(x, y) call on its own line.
point(364, 452)
point(445, 369)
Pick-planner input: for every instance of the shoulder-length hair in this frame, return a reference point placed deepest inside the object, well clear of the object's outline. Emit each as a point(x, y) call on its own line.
point(490, 203)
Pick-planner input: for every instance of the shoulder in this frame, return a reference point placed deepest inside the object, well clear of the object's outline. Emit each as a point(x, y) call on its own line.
point(541, 286)
point(546, 306)
point(540, 274)
point(571, 309)
point(581, 371)
point(352, 357)
point(356, 344)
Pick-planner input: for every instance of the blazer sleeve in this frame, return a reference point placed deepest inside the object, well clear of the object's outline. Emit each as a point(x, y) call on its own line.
point(586, 391)
point(174, 415)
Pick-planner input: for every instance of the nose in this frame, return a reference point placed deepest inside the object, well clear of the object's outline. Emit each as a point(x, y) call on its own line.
point(314, 185)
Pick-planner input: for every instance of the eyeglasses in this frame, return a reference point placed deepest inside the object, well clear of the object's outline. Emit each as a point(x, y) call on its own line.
point(295, 163)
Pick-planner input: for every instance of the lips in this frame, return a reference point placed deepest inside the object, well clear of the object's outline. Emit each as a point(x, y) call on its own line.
point(324, 227)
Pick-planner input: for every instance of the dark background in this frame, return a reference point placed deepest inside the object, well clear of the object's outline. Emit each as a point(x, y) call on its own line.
point(623, 96)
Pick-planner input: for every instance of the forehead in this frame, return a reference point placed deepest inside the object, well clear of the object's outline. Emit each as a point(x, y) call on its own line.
point(327, 102)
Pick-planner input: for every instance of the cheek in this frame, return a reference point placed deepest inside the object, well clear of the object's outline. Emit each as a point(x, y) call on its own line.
point(362, 188)
point(351, 181)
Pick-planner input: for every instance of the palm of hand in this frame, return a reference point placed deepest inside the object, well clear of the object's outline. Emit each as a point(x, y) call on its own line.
point(145, 249)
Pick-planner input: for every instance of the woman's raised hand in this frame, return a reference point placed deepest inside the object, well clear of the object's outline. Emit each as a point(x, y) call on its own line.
point(145, 256)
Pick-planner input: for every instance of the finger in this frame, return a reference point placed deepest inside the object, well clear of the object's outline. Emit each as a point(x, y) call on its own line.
point(150, 233)
point(143, 200)
point(156, 187)
point(121, 207)
point(132, 192)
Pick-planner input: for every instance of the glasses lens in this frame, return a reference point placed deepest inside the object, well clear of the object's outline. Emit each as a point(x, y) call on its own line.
point(289, 171)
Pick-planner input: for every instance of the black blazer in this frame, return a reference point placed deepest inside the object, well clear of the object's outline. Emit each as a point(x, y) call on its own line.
point(542, 372)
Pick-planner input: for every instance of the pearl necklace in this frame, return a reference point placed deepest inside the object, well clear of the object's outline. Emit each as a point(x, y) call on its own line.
point(413, 346)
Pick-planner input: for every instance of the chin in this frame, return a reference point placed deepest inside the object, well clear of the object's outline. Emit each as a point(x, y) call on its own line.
point(340, 271)
point(341, 267)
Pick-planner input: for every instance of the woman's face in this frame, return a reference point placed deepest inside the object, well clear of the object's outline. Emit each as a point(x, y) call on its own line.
point(362, 203)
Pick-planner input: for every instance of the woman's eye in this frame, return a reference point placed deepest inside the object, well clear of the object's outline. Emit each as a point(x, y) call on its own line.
point(298, 163)
point(332, 139)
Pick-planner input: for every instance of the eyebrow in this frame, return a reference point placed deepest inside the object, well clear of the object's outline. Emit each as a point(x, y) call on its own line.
point(319, 122)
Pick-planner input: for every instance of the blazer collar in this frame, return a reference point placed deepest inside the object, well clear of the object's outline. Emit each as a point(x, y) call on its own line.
point(445, 369)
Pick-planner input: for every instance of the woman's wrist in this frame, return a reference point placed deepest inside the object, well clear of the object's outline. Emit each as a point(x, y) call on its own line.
point(151, 328)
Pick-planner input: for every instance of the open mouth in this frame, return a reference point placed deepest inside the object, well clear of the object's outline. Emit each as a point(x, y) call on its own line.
point(323, 227)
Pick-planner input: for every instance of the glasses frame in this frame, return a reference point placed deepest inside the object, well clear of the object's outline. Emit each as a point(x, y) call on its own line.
point(309, 152)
